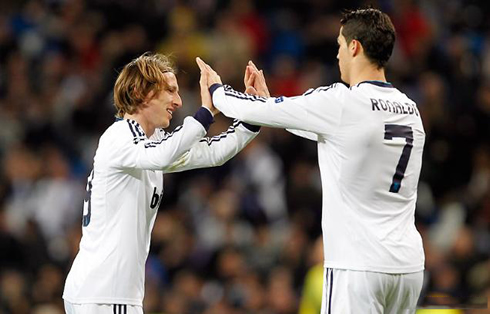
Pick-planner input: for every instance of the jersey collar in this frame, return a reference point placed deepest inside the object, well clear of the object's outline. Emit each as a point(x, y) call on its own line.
point(377, 83)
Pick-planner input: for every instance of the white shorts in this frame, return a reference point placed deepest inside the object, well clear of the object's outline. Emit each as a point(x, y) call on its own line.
point(349, 291)
point(90, 308)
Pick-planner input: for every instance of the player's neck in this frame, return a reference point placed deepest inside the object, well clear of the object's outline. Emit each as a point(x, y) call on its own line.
point(367, 72)
point(142, 121)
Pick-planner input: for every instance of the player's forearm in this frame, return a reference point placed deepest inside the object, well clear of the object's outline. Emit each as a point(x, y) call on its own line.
point(318, 112)
point(217, 150)
point(221, 148)
point(279, 112)
point(159, 155)
point(243, 107)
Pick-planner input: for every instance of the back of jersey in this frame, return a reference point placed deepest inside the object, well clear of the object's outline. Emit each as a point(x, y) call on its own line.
point(370, 171)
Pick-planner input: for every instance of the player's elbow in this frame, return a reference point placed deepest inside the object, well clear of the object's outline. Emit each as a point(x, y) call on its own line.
point(221, 162)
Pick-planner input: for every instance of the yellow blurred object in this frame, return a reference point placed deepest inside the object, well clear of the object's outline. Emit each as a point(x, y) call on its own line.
point(440, 311)
point(311, 299)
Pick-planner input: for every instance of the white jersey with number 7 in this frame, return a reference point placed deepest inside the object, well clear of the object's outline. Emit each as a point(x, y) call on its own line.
point(370, 142)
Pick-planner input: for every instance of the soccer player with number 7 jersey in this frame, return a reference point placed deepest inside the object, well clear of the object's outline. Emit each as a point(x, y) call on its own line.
point(125, 187)
point(370, 141)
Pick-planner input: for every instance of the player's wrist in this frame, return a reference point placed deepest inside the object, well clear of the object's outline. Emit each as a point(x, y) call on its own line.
point(209, 109)
point(204, 116)
point(214, 87)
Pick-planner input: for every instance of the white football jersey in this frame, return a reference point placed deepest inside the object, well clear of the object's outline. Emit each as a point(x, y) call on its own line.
point(370, 142)
point(124, 191)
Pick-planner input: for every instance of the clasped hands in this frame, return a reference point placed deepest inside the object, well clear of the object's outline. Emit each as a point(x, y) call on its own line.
point(254, 81)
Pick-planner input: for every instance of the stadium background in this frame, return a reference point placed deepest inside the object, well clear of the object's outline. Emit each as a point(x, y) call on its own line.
point(240, 238)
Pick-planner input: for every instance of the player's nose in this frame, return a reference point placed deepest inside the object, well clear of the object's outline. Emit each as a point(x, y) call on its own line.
point(177, 101)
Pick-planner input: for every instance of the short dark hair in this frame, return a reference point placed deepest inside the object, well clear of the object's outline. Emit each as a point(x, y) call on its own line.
point(373, 29)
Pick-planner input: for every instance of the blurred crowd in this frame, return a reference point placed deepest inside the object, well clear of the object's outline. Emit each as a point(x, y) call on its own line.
point(240, 238)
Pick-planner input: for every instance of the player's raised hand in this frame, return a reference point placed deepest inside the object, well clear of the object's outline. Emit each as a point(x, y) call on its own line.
point(205, 95)
point(255, 81)
point(249, 81)
point(212, 76)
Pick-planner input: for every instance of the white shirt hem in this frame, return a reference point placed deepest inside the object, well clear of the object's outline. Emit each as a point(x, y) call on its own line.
point(103, 301)
point(376, 269)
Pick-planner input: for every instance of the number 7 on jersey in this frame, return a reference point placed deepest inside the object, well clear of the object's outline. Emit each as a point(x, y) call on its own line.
point(87, 202)
point(396, 130)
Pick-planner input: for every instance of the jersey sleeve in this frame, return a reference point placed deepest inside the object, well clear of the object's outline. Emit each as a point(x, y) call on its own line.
point(317, 111)
point(159, 154)
point(216, 150)
point(308, 135)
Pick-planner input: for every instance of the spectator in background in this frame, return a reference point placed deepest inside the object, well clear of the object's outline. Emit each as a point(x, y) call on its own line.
point(61, 107)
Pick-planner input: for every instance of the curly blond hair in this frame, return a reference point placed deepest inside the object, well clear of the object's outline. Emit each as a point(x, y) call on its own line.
point(137, 79)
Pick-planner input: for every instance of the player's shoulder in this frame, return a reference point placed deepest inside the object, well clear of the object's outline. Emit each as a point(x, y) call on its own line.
point(375, 87)
point(381, 89)
point(330, 89)
point(406, 97)
point(123, 131)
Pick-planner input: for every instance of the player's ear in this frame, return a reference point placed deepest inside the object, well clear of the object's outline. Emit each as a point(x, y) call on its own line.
point(355, 47)
point(146, 99)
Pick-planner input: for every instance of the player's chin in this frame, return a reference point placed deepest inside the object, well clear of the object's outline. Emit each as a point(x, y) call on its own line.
point(165, 123)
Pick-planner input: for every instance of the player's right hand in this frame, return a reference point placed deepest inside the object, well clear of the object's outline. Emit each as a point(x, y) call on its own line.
point(255, 81)
point(205, 95)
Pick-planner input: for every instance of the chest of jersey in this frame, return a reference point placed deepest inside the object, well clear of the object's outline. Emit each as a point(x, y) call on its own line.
point(153, 181)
